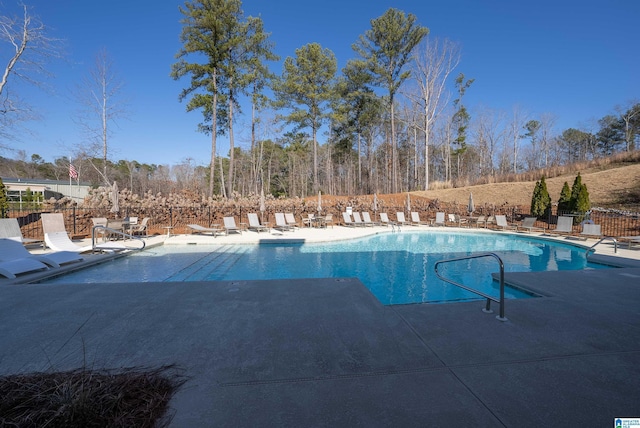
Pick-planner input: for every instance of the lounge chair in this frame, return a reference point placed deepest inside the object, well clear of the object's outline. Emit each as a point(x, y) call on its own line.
point(630, 240)
point(590, 230)
point(230, 225)
point(490, 220)
point(384, 220)
point(197, 229)
point(56, 238)
point(346, 218)
point(281, 223)
point(440, 219)
point(10, 229)
point(254, 223)
point(415, 219)
point(501, 222)
point(528, 225)
point(564, 225)
point(357, 220)
point(366, 219)
point(400, 218)
point(11, 250)
point(15, 267)
point(291, 220)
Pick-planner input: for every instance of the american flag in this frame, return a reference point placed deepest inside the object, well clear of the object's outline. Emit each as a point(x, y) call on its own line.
point(73, 173)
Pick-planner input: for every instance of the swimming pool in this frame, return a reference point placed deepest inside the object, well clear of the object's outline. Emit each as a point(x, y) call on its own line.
point(398, 268)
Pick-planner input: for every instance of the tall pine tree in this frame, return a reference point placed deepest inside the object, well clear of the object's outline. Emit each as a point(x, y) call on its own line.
point(540, 201)
point(564, 203)
point(579, 203)
point(386, 48)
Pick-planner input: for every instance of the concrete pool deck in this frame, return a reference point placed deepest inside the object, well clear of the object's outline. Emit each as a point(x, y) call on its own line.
point(326, 353)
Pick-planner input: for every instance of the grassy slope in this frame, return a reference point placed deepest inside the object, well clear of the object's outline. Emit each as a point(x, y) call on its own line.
point(606, 187)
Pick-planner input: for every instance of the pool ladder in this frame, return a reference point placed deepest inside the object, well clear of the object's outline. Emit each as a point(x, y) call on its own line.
point(487, 308)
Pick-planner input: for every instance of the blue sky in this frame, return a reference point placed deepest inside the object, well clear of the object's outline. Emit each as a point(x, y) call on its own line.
point(575, 59)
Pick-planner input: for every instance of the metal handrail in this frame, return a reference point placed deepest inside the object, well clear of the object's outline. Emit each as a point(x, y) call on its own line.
point(117, 232)
point(489, 298)
point(615, 244)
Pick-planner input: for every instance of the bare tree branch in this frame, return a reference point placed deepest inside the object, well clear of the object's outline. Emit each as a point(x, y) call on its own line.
point(31, 51)
point(99, 95)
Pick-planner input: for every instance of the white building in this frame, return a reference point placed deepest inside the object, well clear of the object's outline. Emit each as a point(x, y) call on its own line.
point(44, 189)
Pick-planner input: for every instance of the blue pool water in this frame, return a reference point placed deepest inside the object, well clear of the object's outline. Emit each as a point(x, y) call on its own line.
point(398, 268)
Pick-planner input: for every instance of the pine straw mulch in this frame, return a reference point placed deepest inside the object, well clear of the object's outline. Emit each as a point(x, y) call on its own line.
point(130, 397)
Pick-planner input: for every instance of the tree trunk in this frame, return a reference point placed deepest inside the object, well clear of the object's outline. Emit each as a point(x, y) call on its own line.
point(231, 146)
point(214, 121)
point(394, 155)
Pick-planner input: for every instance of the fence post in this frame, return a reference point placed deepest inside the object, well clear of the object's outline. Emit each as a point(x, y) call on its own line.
point(74, 220)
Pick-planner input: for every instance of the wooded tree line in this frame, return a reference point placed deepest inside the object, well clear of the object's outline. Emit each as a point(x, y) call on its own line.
point(388, 117)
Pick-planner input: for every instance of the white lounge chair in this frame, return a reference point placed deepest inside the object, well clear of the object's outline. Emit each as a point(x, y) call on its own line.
point(254, 223)
point(230, 225)
point(281, 223)
point(15, 267)
point(400, 218)
point(10, 229)
point(357, 220)
point(56, 238)
point(346, 219)
point(415, 219)
point(630, 240)
point(501, 222)
point(528, 225)
point(564, 225)
point(591, 230)
point(291, 220)
point(384, 220)
point(197, 229)
point(11, 250)
point(366, 219)
point(440, 219)
point(59, 241)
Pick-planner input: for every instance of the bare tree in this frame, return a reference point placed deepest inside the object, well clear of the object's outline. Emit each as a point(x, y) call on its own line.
point(629, 115)
point(100, 97)
point(515, 125)
point(434, 61)
point(29, 50)
point(488, 133)
point(547, 122)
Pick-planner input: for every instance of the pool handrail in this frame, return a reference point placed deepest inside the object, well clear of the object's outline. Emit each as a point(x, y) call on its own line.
point(489, 298)
point(117, 232)
point(604, 238)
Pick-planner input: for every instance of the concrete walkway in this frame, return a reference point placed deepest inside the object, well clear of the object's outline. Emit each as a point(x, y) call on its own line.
point(327, 353)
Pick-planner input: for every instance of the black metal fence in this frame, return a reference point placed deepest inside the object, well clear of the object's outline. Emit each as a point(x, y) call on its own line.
point(78, 221)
